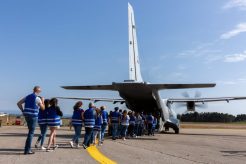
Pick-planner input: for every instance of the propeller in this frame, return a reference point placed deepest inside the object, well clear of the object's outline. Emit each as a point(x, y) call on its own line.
point(190, 105)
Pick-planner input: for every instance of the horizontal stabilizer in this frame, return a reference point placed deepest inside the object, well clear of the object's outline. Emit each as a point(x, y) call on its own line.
point(90, 87)
point(180, 86)
point(203, 100)
point(94, 99)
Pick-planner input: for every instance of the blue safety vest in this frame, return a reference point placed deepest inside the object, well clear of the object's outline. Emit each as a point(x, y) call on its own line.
point(150, 119)
point(89, 118)
point(77, 118)
point(105, 116)
point(98, 123)
point(154, 122)
point(31, 108)
point(115, 117)
point(53, 119)
point(42, 117)
point(132, 120)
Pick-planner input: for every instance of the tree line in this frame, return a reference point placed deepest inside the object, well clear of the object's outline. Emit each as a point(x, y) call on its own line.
point(211, 117)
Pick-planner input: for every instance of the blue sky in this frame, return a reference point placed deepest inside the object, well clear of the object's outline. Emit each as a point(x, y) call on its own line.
point(59, 42)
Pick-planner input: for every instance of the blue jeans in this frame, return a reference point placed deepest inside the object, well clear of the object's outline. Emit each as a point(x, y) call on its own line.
point(114, 129)
point(31, 124)
point(41, 137)
point(124, 130)
point(138, 129)
point(95, 134)
point(77, 135)
point(88, 136)
point(119, 130)
point(104, 126)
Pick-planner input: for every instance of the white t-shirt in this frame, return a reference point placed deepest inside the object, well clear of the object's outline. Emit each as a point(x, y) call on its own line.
point(38, 101)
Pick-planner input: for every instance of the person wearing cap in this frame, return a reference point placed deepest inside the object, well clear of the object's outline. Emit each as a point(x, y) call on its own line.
point(115, 120)
point(32, 103)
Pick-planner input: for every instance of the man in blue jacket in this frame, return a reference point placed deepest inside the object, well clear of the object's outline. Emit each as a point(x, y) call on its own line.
point(32, 103)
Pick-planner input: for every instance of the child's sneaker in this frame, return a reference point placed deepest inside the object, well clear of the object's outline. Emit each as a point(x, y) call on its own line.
point(42, 148)
point(49, 150)
point(55, 147)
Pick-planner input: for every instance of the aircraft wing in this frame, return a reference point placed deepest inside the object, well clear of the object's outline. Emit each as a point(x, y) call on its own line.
point(203, 100)
point(90, 87)
point(181, 86)
point(114, 101)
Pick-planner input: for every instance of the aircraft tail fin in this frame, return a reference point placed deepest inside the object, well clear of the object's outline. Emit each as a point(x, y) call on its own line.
point(134, 63)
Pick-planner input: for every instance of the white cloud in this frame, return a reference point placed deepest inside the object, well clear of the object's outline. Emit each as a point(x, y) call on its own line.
point(226, 82)
point(240, 28)
point(201, 50)
point(232, 82)
point(235, 57)
point(241, 4)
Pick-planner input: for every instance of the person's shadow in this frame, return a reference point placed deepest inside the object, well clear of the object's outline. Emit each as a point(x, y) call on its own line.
point(234, 153)
point(8, 151)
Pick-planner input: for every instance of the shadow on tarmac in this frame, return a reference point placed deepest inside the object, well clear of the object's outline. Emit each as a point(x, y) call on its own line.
point(36, 135)
point(213, 135)
point(234, 153)
point(9, 151)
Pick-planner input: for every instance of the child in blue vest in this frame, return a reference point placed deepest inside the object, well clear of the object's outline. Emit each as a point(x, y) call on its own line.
point(98, 127)
point(42, 121)
point(77, 123)
point(54, 115)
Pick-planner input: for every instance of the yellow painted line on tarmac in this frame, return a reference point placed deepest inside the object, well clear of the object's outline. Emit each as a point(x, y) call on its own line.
point(98, 156)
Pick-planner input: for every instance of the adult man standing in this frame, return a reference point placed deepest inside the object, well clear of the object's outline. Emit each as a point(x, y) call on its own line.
point(115, 120)
point(32, 103)
point(89, 117)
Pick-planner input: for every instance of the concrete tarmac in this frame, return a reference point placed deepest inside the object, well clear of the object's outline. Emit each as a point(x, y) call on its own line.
point(190, 146)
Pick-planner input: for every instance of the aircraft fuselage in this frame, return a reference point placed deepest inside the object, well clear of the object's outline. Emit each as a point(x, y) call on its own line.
point(138, 97)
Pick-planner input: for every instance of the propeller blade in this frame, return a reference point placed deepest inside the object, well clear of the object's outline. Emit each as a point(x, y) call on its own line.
point(198, 94)
point(180, 105)
point(202, 106)
point(186, 94)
